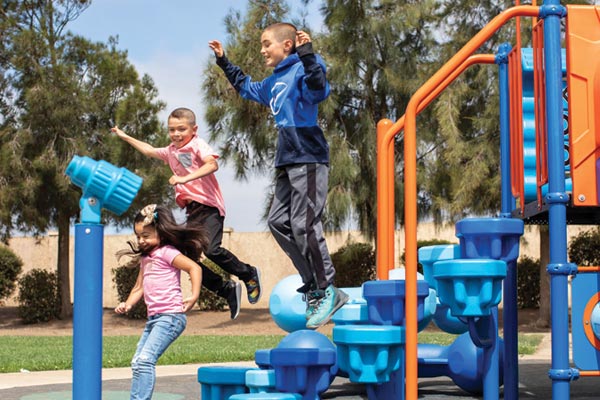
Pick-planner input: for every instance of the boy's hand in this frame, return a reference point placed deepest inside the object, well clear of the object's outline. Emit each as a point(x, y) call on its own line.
point(302, 38)
point(216, 46)
point(119, 132)
point(176, 180)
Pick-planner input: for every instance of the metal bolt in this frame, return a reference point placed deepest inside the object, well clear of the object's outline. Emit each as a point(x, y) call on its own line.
point(581, 197)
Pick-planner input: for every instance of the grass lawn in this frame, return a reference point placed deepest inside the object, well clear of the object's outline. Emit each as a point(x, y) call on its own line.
point(45, 353)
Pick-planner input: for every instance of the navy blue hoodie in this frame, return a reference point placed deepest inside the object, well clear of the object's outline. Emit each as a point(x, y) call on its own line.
point(294, 90)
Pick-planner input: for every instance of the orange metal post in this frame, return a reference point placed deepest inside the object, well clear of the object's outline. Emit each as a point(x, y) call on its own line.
point(539, 88)
point(516, 123)
point(385, 211)
point(410, 183)
point(386, 216)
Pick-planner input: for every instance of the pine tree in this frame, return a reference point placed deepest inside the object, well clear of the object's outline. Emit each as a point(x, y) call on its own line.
point(60, 94)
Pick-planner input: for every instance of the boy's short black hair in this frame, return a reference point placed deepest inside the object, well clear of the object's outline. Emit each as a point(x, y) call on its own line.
point(283, 31)
point(184, 113)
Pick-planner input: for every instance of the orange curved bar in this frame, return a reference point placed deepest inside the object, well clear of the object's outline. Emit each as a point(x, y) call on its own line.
point(386, 215)
point(589, 373)
point(410, 183)
point(587, 319)
point(588, 269)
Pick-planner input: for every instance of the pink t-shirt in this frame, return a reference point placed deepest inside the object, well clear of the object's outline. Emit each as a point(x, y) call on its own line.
point(186, 160)
point(162, 281)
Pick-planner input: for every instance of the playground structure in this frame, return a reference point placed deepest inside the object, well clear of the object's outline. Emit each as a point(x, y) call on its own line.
point(376, 333)
point(558, 199)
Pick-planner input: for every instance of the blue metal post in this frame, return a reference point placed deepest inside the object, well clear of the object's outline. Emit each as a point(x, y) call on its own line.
point(491, 360)
point(557, 199)
point(510, 313)
point(87, 312)
point(511, 340)
point(508, 201)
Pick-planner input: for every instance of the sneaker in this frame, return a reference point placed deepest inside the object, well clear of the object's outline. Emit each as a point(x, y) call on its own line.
point(312, 299)
point(307, 287)
point(327, 305)
point(253, 286)
point(234, 298)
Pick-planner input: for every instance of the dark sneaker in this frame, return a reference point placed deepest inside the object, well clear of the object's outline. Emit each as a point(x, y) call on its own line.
point(253, 286)
point(312, 299)
point(327, 305)
point(307, 287)
point(234, 298)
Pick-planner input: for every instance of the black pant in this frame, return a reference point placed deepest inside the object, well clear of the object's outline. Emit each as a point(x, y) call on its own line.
point(212, 222)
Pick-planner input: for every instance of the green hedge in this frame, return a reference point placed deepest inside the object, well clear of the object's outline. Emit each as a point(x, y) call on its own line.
point(10, 268)
point(39, 296)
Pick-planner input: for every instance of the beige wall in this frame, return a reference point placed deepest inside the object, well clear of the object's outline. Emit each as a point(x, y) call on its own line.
point(258, 249)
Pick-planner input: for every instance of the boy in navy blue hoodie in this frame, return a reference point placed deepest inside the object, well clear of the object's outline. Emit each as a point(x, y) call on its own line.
point(292, 92)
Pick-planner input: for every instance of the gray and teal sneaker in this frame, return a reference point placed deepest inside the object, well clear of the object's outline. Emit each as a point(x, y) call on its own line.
point(312, 299)
point(326, 306)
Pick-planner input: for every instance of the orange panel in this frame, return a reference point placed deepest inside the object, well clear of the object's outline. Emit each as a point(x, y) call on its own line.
point(583, 82)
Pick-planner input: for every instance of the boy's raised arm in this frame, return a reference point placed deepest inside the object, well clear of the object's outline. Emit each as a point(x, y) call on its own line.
point(217, 47)
point(245, 87)
point(143, 147)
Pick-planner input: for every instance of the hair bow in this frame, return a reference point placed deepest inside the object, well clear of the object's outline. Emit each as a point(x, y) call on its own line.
point(149, 213)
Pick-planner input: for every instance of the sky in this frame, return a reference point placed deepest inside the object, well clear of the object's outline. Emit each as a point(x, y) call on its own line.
point(168, 40)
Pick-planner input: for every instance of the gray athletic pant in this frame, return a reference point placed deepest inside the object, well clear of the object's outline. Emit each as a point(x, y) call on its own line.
point(295, 221)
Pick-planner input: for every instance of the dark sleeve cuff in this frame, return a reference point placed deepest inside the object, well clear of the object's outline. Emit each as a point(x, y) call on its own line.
point(222, 61)
point(305, 49)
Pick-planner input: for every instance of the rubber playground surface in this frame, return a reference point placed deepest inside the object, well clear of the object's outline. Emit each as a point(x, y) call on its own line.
point(180, 383)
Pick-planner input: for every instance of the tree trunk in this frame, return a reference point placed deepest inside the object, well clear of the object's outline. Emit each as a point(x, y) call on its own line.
point(66, 308)
point(544, 311)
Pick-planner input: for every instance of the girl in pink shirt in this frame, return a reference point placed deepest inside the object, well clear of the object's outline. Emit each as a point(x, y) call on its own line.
point(166, 248)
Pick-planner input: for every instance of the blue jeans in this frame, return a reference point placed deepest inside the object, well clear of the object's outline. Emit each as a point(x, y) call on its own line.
point(161, 330)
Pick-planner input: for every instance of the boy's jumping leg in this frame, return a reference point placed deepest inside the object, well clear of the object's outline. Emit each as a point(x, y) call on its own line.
point(231, 291)
point(299, 231)
point(212, 221)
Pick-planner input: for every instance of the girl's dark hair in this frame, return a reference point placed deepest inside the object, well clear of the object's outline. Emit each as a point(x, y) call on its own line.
point(191, 240)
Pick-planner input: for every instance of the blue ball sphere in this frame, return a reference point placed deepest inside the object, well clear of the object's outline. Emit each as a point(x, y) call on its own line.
point(306, 339)
point(286, 306)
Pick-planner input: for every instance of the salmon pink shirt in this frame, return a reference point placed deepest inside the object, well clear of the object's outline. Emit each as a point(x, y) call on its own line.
point(162, 281)
point(186, 160)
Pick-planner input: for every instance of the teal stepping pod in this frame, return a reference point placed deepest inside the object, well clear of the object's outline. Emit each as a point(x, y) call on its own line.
point(369, 353)
point(352, 314)
point(220, 382)
point(430, 254)
point(385, 300)
point(261, 381)
point(470, 287)
point(266, 396)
